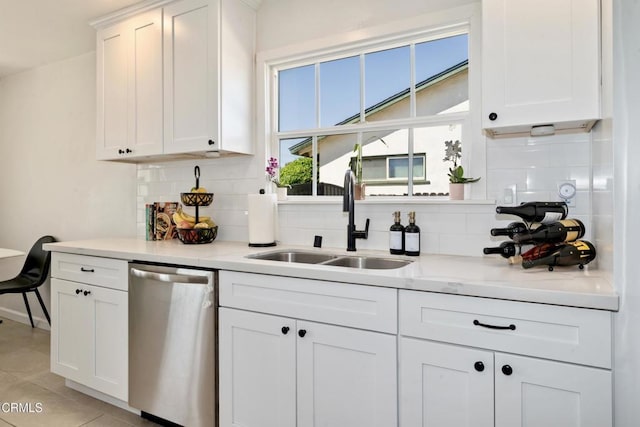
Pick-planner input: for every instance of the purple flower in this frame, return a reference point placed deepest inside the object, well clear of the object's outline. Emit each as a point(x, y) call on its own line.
point(272, 168)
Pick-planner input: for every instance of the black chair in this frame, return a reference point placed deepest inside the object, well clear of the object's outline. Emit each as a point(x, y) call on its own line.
point(33, 274)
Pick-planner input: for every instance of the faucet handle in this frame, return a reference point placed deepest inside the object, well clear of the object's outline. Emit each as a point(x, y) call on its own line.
point(362, 234)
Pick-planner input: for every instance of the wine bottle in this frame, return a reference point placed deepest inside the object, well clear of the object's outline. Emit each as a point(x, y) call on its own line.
point(566, 230)
point(506, 249)
point(531, 253)
point(580, 253)
point(514, 229)
point(538, 251)
point(412, 237)
point(510, 230)
point(396, 235)
point(544, 212)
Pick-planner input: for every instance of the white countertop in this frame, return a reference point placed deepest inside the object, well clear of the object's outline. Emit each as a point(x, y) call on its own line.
point(490, 277)
point(9, 253)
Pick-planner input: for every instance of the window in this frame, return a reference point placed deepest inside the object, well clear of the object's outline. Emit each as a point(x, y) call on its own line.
point(398, 102)
point(381, 170)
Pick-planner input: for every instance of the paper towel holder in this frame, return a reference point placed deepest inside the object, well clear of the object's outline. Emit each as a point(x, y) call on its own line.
point(264, 244)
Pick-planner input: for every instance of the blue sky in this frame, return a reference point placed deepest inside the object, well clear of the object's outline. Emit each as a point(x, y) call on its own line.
point(386, 73)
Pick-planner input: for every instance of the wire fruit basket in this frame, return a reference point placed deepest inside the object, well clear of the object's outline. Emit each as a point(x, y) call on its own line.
point(197, 234)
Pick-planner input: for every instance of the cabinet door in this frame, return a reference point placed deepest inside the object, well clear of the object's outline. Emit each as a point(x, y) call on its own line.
point(89, 336)
point(346, 377)
point(539, 393)
point(191, 76)
point(443, 385)
point(257, 369)
point(145, 84)
point(129, 82)
point(69, 331)
point(112, 91)
point(108, 312)
point(540, 62)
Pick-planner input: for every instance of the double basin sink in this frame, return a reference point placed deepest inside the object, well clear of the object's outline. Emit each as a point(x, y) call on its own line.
point(305, 257)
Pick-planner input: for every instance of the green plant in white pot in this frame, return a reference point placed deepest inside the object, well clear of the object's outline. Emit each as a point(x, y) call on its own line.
point(453, 153)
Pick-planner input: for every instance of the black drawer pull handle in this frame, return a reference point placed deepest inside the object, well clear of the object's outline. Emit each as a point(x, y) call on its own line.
point(87, 270)
point(302, 333)
point(78, 291)
point(479, 366)
point(285, 330)
point(507, 370)
point(86, 293)
point(485, 325)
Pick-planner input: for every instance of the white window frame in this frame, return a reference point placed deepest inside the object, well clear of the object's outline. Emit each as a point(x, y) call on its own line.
point(433, 26)
point(402, 156)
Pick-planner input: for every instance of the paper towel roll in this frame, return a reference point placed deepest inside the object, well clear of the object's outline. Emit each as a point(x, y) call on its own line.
point(262, 219)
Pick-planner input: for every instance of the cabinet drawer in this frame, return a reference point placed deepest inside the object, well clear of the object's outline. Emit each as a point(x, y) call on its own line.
point(106, 272)
point(561, 333)
point(366, 307)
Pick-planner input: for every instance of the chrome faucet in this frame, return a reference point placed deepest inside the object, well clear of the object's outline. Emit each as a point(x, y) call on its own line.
point(348, 205)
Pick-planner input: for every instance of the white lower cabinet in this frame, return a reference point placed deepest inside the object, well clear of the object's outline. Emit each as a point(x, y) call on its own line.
point(542, 393)
point(442, 385)
point(89, 322)
point(257, 369)
point(448, 385)
point(460, 379)
point(278, 371)
point(90, 339)
point(311, 353)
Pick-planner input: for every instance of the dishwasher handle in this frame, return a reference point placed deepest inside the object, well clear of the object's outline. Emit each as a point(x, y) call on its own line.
point(169, 278)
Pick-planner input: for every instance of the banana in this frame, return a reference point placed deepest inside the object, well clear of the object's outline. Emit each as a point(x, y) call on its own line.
point(181, 215)
point(177, 219)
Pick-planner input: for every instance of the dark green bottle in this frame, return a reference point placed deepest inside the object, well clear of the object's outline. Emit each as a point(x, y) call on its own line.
point(412, 237)
point(396, 236)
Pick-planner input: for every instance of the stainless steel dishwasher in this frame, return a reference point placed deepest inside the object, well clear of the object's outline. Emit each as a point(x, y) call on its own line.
point(172, 366)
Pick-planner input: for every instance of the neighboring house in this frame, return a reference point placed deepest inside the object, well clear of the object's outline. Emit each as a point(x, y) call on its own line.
point(385, 159)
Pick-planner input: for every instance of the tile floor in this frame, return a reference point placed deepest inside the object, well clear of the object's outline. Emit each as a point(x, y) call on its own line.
point(25, 379)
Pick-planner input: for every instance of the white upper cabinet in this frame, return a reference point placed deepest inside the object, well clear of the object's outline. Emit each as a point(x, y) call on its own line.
point(540, 65)
point(129, 87)
point(176, 80)
point(208, 69)
point(191, 74)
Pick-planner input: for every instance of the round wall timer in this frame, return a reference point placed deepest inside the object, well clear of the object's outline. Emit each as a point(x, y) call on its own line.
point(567, 190)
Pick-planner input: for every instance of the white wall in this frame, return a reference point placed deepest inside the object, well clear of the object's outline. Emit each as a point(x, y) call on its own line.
point(626, 134)
point(283, 22)
point(535, 165)
point(50, 182)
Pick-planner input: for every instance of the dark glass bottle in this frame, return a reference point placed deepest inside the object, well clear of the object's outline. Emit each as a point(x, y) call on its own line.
point(396, 235)
point(544, 212)
point(538, 251)
point(506, 249)
point(577, 253)
point(531, 253)
point(412, 236)
point(566, 230)
point(514, 229)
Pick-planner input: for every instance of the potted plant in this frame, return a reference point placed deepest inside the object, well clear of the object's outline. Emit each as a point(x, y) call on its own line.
point(453, 153)
point(272, 171)
point(357, 169)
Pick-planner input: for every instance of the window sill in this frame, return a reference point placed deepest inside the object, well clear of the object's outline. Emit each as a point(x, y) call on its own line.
point(431, 200)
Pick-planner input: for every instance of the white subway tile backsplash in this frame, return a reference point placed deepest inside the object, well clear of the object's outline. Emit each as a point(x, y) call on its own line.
point(535, 165)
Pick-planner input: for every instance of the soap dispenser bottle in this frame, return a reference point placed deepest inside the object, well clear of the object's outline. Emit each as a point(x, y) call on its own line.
point(412, 236)
point(396, 235)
